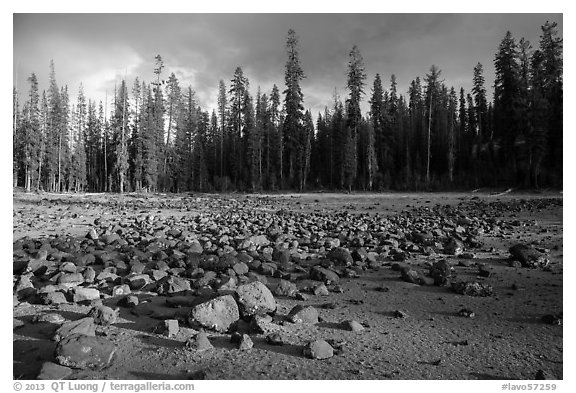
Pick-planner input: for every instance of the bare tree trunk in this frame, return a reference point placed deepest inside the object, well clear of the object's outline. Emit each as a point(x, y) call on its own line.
point(429, 140)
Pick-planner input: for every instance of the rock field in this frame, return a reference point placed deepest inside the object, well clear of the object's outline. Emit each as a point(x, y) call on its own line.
point(297, 286)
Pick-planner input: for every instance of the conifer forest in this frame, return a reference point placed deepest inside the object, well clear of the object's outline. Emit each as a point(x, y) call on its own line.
point(153, 136)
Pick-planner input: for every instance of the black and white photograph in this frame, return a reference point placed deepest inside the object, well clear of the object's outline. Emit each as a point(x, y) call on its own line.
point(287, 196)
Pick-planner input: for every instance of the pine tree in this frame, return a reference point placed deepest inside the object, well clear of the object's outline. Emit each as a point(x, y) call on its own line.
point(356, 77)
point(293, 106)
point(119, 124)
point(222, 110)
point(432, 93)
point(480, 103)
point(30, 126)
point(238, 88)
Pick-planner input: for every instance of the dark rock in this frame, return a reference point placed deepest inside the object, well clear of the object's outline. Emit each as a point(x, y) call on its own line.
point(528, 256)
point(323, 274)
point(340, 256)
point(217, 314)
point(454, 247)
point(85, 352)
point(399, 314)
point(553, 319)
point(303, 314)
point(318, 349)
point(411, 276)
point(472, 288)
point(129, 301)
point(466, 313)
point(441, 271)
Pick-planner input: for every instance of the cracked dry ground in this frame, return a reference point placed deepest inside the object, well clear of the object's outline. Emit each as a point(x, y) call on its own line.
point(411, 330)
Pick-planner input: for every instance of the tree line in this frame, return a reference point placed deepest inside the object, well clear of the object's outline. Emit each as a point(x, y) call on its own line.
point(156, 137)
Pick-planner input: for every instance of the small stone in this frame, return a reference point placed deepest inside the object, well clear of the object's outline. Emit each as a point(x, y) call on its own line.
point(323, 274)
point(552, 319)
point(261, 324)
point(245, 343)
point(411, 276)
point(399, 314)
point(84, 326)
point(352, 325)
point(286, 288)
point(82, 294)
point(318, 349)
point(85, 352)
point(321, 290)
point(53, 371)
point(303, 314)
point(275, 339)
point(168, 327)
point(18, 324)
point(472, 289)
point(49, 318)
point(129, 301)
point(104, 315)
point(199, 342)
point(120, 290)
point(92, 234)
point(466, 313)
point(543, 375)
point(54, 298)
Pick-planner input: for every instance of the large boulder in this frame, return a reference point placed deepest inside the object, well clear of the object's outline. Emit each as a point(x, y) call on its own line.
point(85, 352)
point(528, 256)
point(440, 271)
point(255, 298)
point(340, 256)
point(217, 314)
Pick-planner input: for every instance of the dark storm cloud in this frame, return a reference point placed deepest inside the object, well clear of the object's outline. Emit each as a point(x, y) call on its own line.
point(99, 49)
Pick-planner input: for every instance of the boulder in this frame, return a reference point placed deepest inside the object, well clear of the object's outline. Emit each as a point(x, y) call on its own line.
point(352, 325)
point(104, 315)
point(340, 256)
point(85, 352)
point(303, 314)
point(528, 256)
point(323, 274)
point(217, 314)
point(199, 342)
point(440, 271)
point(255, 298)
point(286, 288)
point(318, 349)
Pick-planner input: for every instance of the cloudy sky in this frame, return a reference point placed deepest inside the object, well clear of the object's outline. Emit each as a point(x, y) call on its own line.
point(97, 50)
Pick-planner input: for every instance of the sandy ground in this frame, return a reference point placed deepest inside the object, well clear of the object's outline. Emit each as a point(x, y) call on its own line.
point(505, 340)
